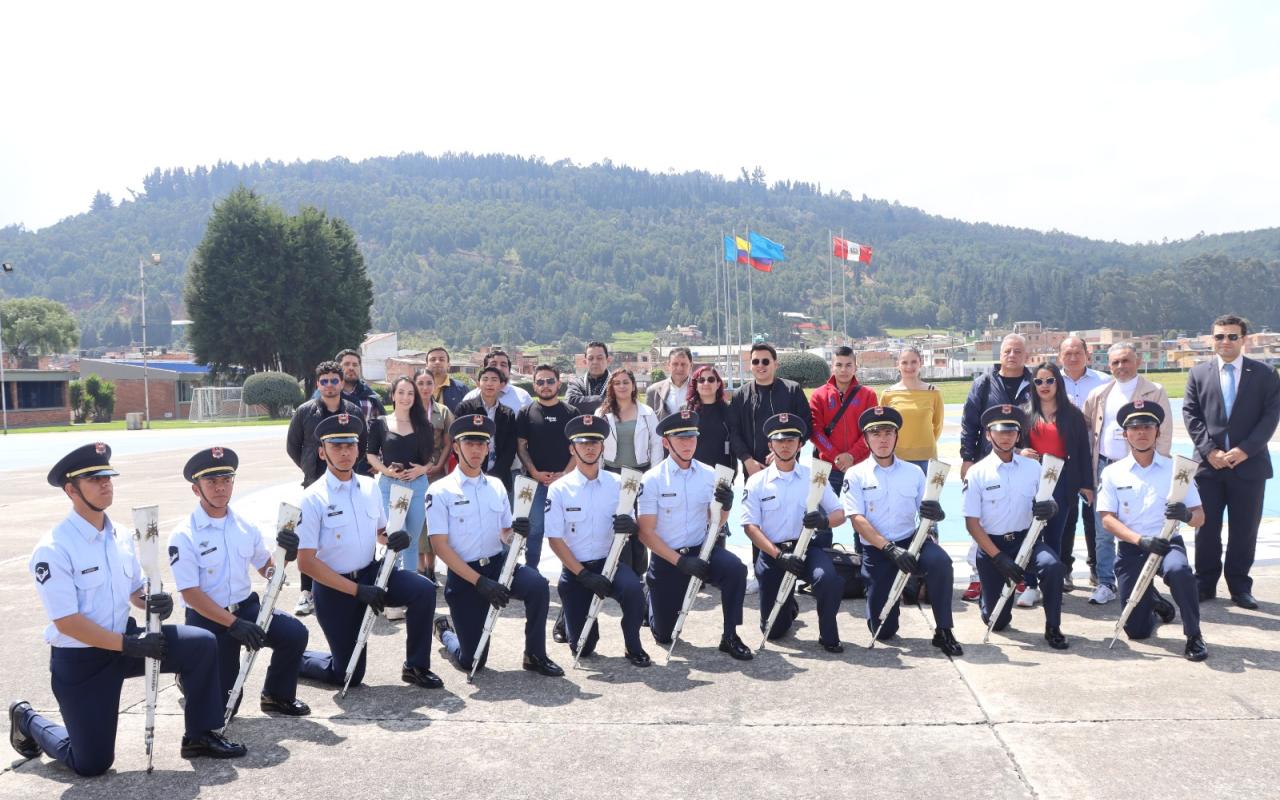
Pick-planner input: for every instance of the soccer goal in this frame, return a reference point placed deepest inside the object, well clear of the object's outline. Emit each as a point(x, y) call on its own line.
point(219, 404)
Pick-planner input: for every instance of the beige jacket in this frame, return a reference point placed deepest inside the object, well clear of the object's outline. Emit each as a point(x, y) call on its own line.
point(1096, 405)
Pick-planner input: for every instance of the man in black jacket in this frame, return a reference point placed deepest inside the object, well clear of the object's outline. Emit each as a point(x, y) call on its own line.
point(586, 392)
point(1007, 383)
point(303, 446)
point(502, 447)
point(1230, 408)
point(756, 402)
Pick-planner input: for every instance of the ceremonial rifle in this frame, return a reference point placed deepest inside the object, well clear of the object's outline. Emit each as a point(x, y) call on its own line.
point(146, 538)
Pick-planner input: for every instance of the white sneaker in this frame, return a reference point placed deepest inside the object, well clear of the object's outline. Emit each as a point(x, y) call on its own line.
point(394, 613)
point(1029, 598)
point(306, 605)
point(753, 586)
point(1102, 595)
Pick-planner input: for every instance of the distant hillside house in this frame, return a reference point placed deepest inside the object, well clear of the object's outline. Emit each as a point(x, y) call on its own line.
point(374, 352)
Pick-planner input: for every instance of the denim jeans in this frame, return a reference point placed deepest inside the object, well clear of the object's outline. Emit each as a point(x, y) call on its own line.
point(1104, 542)
point(537, 523)
point(408, 558)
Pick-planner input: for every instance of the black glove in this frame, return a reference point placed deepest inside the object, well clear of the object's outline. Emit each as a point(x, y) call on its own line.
point(815, 520)
point(520, 525)
point(724, 495)
point(902, 559)
point(289, 541)
point(623, 523)
point(1044, 510)
point(598, 584)
point(932, 510)
point(497, 594)
point(694, 567)
point(247, 634)
point(1007, 567)
point(160, 604)
point(372, 596)
point(398, 541)
point(1156, 545)
point(144, 645)
point(791, 563)
point(1178, 511)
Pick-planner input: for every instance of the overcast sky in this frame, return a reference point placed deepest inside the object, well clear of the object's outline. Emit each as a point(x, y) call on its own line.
point(1127, 121)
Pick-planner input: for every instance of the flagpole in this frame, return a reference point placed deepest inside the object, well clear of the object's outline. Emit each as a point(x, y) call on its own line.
point(844, 295)
point(751, 305)
point(715, 284)
point(737, 297)
point(831, 284)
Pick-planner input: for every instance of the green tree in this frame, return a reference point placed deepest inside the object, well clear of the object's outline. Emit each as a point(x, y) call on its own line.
point(37, 326)
point(278, 392)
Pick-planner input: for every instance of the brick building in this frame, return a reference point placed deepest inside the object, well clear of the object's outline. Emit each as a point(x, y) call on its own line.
point(36, 397)
point(170, 384)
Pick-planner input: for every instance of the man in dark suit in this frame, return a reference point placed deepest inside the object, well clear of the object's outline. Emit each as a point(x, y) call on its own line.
point(1231, 408)
point(502, 445)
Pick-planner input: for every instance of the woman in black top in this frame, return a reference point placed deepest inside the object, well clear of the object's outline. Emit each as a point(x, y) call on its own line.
point(705, 395)
point(399, 451)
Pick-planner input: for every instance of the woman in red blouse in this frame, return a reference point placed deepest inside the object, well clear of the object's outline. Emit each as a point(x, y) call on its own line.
point(1057, 428)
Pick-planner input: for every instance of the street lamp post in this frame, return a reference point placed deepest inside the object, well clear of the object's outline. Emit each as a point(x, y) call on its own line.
point(146, 387)
point(4, 392)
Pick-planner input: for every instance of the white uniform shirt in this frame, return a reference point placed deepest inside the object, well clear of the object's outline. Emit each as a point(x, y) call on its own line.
point(81, 570)
point(681, 499)
point(1138, 495)
point(774, 501)
point(888, 497)
point(215, 555)
point(473, 512)
point(341, 520)
point(581, 512)
point(1000, 495)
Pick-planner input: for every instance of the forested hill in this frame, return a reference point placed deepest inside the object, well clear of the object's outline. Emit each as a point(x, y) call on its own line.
point(501, 248)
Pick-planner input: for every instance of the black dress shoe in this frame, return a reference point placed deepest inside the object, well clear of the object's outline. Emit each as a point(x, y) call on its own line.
point(420, 676)
point(1165, 610)
point(945, 640)
point(211, 744)
point(833, 648)
point(1207, 594)
point(639, 658)
point(1196, 649)
point(25, 745)
point(1245, 600)
point(290, 708)
point(442, 626)
point(558, 633)
point(542, 665)
point(734, 647)
point(1053, 635)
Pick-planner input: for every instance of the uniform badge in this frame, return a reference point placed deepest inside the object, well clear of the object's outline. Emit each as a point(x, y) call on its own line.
point(684, 413)
point(1138, 403)
point(477, 420)
point(428, 501)
point(546, 505)
point(782, 418)
point(42, 572)
point(879, 411)
point(173, 555)
point(344, 419)
point(1006, 409)
point(216, 452)
point(588, 421)
point(99, 448)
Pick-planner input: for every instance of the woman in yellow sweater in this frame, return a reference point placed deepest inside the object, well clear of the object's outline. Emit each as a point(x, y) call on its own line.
point(920, 405)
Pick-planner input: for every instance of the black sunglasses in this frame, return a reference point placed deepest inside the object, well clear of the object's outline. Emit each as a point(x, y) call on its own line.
point(1045, 381)
point(329, 381)
point(1220, 336)
point(545, 381)
point(708, 379)
point(756, 362)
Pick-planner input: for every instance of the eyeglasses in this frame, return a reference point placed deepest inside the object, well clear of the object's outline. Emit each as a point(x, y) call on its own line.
point(545, 382)
point(1217, 337)
point(708, 379)
point(1045, 381)
point(761, 362)
point(329, 381)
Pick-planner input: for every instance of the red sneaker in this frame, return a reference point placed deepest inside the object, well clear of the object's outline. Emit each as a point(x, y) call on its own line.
point(1022, 587)
point(973, 592)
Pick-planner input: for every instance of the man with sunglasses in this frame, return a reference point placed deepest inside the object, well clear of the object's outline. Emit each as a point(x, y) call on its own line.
point(543, 448)
point(304, 448)
point(1231, 408)
point(1106, 440)
point(753, 404)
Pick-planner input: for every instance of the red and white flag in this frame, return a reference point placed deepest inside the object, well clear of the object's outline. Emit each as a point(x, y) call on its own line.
point(850, 251)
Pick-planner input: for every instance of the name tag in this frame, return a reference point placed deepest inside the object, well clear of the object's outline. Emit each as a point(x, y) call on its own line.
point(462, 502)
point(334, 514)
point(87, 571)
point(574, 509)
point(767, 499)
point(994, 486)
point(1124, 488)
point(670, 494)
point(207, 552)
point(873, 487)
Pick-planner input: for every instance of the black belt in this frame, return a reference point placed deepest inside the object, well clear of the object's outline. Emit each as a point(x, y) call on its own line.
point(1011, 537)
point(484, 562)
point(787, 547)
point(355, 576)
point(684, 551)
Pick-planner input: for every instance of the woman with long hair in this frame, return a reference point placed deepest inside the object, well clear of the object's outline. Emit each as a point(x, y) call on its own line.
point(440, 418)
point(920, 405)
point(633, 441)
point(705, 395)
point(1057, 428)
point(399, 450)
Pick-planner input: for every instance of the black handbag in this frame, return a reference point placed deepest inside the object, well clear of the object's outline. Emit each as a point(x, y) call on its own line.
point(849, 567)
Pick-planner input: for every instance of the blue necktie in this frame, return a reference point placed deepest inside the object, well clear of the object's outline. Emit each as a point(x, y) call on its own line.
point(1229, 394)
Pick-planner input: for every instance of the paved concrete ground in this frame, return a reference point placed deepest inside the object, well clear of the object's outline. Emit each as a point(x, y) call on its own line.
point(1009, 719)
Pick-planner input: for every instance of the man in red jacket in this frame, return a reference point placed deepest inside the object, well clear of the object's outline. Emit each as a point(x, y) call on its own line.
point(836, 436)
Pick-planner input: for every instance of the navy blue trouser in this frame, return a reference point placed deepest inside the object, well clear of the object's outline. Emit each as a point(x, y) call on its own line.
point(286, 636)
point(468, 609)
point(340, 616)
point(667, 587)
point(879, 571)
point(87, 681)
point(576, 599)
point(1242, 502)
point(1177, 574)
point(828, 590)
point(1044, 562)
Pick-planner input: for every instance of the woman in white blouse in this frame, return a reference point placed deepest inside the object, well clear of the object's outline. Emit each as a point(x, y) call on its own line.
point(633, 427)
